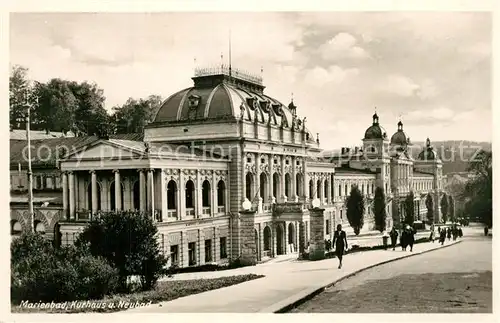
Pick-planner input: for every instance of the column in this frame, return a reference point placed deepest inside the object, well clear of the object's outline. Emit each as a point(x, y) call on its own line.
point(285, 238)
point(302, 239)
point(257, 177)
point(71, 195)
point(198, 201)
point(151, 192)
point(77, 196)
point(163, 195)
point(322, 190)
point(118, 190)
point(273, 240)
point(142, 190)
point(65, 193)
point(182, 195)
point(243, 177)
point(282, 180)
point(271, 181)
point(293, 182)
point(329, 188)
point(213, 204)
point(94, 190)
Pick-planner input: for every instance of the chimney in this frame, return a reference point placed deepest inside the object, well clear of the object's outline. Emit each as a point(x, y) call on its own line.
point(356, 149)
point(342, 150)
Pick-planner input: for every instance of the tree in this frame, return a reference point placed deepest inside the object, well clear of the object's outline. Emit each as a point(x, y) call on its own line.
point(429, 203)
point(379, 211)
point(134, 115)
point(129, 241)
point(91, 116)
point(56, 106)
point(409, 205)
point(18, 95)
point(478, 190)
point(355, 204)
point(444, 207)
point(451, 208)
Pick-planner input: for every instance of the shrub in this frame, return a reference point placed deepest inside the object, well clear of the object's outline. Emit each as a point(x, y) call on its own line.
point(40, 272)
point(129, 241)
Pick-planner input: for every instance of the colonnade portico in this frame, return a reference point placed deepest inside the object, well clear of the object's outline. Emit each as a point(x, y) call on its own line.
point(168, 194)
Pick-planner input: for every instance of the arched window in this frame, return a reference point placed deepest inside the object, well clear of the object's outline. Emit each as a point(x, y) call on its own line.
point(39, 227)
point(189, 194)
point(325, 189)
point(172, 195)
point(221, 193)
point(340, 190)
point(205, 192)
point(15, 227)
point(276, 185)
point(346, 193)
point(267, 238)
point(318, 188)
point(263, 187)
point(299, 188)
point(362, 188)
point(137, 195)
point(311, 189)
point(249, 186)
point(373, 189)
point(288, 183)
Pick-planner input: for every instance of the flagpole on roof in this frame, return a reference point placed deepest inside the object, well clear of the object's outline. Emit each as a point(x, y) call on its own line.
point(30, 174)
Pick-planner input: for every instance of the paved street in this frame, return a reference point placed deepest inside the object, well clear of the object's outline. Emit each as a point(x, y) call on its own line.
point(284, 283)
point(455, 279)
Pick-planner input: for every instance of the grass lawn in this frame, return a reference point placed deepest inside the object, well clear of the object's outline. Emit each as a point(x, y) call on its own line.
point(164, 291)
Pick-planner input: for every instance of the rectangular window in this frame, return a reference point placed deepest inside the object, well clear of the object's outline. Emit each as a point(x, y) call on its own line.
point(192, 253)
point(174, 255)
point(208, 250)
point(223, 249)
point(341, 218)
point(327, 226)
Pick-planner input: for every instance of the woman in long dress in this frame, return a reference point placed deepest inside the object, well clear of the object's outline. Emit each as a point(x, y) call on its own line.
point(340, 243)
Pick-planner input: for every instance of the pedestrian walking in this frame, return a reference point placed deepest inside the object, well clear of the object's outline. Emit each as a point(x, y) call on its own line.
point(460, 232)
point(410, 237)
point(394, 237)
point(340, 243)
point(485, 231)
point(404, 239)
point(431, 237)
point(442, 236)
point(448, 233)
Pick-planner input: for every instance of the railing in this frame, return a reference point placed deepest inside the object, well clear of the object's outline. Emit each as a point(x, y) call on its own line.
point(190, 212)
point(172, 213)
point(205, 210)
point(225, 70)
point(221, 209)
point(266, 207)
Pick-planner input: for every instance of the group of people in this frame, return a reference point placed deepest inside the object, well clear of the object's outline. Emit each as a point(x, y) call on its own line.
point(406, 240)
point(449, 232)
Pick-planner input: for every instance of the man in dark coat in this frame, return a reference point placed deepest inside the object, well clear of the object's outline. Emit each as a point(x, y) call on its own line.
point(442, 236)
point(404, 239)
point(411, 237)
point(394, 237)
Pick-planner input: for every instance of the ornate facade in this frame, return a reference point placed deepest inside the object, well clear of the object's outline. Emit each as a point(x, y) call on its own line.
point(215, 145)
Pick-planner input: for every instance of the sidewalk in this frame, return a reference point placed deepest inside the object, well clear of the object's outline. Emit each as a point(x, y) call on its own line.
point(284, 283)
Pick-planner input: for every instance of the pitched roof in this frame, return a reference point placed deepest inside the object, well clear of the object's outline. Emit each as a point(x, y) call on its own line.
point(421, 174)
point(353, 171)
point(20, 134)
point(44, 152)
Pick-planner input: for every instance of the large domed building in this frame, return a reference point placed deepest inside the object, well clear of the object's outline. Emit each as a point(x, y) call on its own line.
point(219, 147)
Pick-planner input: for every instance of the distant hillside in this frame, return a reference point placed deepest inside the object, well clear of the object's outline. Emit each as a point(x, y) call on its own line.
point(455, 154)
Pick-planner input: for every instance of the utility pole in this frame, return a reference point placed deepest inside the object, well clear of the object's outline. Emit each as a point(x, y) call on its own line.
point(30, 174)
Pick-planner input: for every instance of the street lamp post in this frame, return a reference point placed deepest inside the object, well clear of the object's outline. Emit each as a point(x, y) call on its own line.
point(30, 174)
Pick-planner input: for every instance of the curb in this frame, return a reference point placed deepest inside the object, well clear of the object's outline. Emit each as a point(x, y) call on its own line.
point(299, 298)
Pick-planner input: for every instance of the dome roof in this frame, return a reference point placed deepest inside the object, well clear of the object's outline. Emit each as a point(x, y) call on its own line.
point(375, 131)
point(220, 97)
point(399, 138)
point(428, 152)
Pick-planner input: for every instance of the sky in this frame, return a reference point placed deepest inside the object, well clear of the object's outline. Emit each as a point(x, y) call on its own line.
point(432, 70)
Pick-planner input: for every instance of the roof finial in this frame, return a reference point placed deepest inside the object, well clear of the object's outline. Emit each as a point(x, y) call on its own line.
point(221, 59)
point(292, 97)
point(229, 52)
